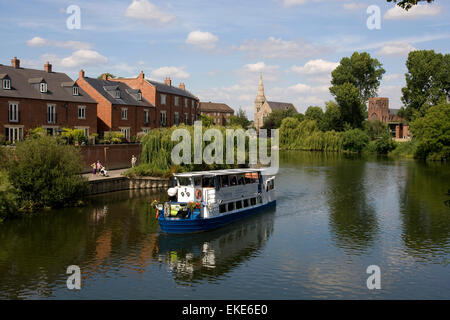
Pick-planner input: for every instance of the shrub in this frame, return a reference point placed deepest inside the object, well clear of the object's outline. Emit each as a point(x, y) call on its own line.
point(46, 173)
point(354, 140)
point(384, 144)
point(8, 197)
point(404, 149)
point(113, 137)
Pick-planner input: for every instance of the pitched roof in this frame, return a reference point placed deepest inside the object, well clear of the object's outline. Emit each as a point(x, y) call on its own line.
point(108, 88)
point(280, 105)
point(21, 87)
point(215, 107)
point(393, 111)
point(164, 88)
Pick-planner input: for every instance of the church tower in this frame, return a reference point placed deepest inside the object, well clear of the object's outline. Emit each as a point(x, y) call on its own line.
point(259, 101)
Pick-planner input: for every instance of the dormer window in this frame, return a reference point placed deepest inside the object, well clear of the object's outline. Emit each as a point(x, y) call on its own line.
point(117, 94)
point(6, 84)
point(139, 96)
point(43, 87)
point(75, 91)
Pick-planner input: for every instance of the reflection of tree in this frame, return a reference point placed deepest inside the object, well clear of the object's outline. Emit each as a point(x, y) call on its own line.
point(352, 219)
point(426, 219)
point(212, 254)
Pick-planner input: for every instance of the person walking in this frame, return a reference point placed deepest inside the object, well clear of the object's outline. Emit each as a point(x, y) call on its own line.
point(99, 167)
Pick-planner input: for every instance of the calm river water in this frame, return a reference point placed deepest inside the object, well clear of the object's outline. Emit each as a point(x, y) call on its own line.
point(335, 216)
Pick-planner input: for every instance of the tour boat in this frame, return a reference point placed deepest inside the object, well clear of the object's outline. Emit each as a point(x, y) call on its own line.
point(206, 200)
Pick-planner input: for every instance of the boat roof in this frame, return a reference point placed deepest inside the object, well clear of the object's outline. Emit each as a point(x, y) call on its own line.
point(213, 173)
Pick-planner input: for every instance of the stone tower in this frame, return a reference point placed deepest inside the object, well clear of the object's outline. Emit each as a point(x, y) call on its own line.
point(259, 101)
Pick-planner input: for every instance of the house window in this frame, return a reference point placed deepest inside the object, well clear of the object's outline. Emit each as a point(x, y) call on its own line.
point(177, 101)
point(185, 102)
point(117, 95)
point(146, 119)
point(124, 114)
point(145, 130)
point(81, 112)
point(192, 119)
point(139, 96)
point(51, 113)
point(163, 118)
point(163, 99)
point(85, 130)
point(185, 118)
point(126, 132)
point(6, 84)
point(13, 112)
point(176, 121)
point(75, 91)
point(43, 87)
point(14, 134)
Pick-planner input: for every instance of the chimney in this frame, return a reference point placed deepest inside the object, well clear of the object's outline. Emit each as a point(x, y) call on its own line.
point(15, 63)
point(105, 76)
point(168, 81)
point(141, 75)
point(182, 87)
point(81, 74)
point(47, 67)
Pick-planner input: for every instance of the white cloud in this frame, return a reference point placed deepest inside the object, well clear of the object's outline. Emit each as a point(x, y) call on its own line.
point(290, 3)
point(147, 11)
point(279, 48)
point(172, 72)
point(396, 49)
point(418, 11)
point(41, 42)
point(314, 67)
point(249, 73)
point(392, 77)
point(204, 40)
point(82, 58)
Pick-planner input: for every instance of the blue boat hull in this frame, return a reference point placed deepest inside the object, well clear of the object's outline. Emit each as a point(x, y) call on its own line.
point(199, 225)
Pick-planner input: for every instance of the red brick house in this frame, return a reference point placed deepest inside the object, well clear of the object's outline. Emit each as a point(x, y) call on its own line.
point(32, 98)
point(379, 110)
point(174, 105)
point(120, 107)
point(220, 112)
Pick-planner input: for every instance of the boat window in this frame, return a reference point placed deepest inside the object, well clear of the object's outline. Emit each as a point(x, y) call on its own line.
point(184, 181)
point(233, 181)
point(251, 177)
point(197, 181)
point(223, 208)
point(246, 203)
point(253, 201)
point(259, 199)
point(238, 204)
point(230, 206)
point(208, 182)
point(224, 181)
point(241, 179)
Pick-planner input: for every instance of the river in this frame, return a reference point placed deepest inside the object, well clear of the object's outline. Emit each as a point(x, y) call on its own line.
point(335, 216)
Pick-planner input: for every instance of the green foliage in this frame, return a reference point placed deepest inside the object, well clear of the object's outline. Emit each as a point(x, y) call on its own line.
point(385, 144)
point(273, 120)
point(38, 132)
point(408, 4)
point(47, 173)
point(432, 133)
point(240, 119)
point(8, 197)
point(360, 70)
point(332, 118)
point(299, 116)
point(113, 137)
point(110, 75)
point(351, 109)
point(72, 136)
point(427, 82)
point(405, 149)
point(207, 121)
point(314, 113)
point(354, 140)
point(375, 128)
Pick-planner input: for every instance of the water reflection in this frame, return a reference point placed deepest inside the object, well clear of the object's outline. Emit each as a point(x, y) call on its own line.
point(213, 254)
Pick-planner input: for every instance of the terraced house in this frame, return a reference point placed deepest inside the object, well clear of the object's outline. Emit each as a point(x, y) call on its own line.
point(220, 112)
point(174, 105)
point(120, 107)
point(31, 98)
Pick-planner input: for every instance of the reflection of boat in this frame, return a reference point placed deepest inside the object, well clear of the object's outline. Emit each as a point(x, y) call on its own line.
point(212, 254)
point(207, 200)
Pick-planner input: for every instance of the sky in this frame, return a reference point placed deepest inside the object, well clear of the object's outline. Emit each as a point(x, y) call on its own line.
point(219, 48)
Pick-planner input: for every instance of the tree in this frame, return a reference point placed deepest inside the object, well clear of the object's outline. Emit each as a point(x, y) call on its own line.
point(314, 113)
point(299, 116)
point(408, 4)
point(354, 140)
point(109, 75)
point(207, 121)
point(350, 106)
point(240, 119)
point(375, 128)
point(384, 144)
point(8, 197)
point(332, 118)
point(427, 82)
point(432, 133)
point(273, 121)
point(361, 71)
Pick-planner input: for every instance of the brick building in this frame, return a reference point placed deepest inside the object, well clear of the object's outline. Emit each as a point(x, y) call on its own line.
point(379, 110)
point(220, 112)
point(174, 105)
point(31, 98)
point(120, 107)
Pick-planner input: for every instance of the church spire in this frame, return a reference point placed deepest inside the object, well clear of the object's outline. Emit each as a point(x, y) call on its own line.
point(260, 98)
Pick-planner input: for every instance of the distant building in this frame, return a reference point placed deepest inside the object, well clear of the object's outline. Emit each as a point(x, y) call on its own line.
point(263, 107)
point(220, 112)
point(379, 110)
point(120, 108)
point(31, 98)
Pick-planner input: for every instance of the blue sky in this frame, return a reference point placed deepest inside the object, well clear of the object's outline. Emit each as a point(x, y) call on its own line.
point(219, 48)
